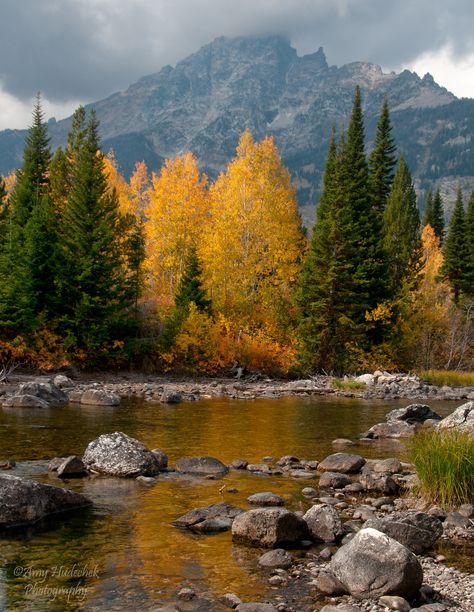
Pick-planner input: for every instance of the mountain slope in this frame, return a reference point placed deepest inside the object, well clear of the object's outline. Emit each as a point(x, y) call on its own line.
point(208, 99)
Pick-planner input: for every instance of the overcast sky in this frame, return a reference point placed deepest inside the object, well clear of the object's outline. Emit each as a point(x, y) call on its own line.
point(79, 51)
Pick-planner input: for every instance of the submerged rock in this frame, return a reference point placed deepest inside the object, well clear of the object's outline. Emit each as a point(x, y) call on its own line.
point(372, 564)
point(268, 527)
point(266, 499)
point(117, 454)
point(209, 519)
point(24, 502)
point(201, 466)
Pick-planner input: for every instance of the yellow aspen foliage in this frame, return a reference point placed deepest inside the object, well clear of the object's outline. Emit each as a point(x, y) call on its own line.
point(176, 214)
point(253, 245)
point(10, 181)
point(139, 190)
point(116, 181)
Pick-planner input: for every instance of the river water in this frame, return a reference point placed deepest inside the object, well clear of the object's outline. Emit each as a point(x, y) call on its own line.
point(124, 554)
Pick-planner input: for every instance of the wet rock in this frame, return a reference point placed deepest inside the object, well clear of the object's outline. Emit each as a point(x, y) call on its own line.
point(418, 531)
point(25, 401)
point(334, 480)
point(324, 523)
point(255, 607)
point(327, 583)
point(239, 464)
point(171, 397)
point(393, 602)
point(117, 454)
point(99, 397)
point(209, 519)
point(412, 414)
point(161, 458)
point(72, 467)
point(302, 474)
point(258, 467)
point(55, 463)
point(231, 600)
point(201, 466)
point(268, 527)
point(147, 480)
point(462, 419)
point(372, 565)
point(277, 558)
point(266, 499)
point(7, 464)
point(288, 460)
point(342, 442)
point(24, 502)
point(377, 483)
point(341, 462)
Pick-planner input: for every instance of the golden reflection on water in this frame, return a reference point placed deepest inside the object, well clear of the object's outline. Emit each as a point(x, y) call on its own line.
point(142, 558)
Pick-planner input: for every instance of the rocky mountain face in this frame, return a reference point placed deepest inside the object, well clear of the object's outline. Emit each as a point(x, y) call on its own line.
point(208, 99)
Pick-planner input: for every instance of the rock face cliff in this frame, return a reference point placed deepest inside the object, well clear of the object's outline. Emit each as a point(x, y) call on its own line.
point(208, 99)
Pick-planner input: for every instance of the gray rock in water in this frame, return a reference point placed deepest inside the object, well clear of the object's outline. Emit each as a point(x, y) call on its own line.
point(324, 523)
point(392, 429)
point(171, 397)
point(276, 558)
point(239, 464)
point(72, 467)
point(99, 397)
point(7, 464)
point(417, 531)
point(231, 600)
point(25, 401)
point(268, 527)
point(63, 382)
point(45, 390)
point(462, 419)
point(201, 466)
point(117, 454)
point(266, 499)
point(341, 462)
point(373, 564)
point(335, 480)
point(55, 463)
point(253, 606)
point(412, 414)
point(209, 519)
point(161, 457)
point(24, 502)
point(342, 442)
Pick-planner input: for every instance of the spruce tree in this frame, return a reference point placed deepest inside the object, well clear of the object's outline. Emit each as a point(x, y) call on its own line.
point(457, 267)
point(382, 161)
point(402, 230)
point(470, 230)
point(95, 288)
point(434, 214)
point(190, 286)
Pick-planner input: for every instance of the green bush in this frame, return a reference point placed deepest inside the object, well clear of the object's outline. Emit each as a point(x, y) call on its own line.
point(348, 385)
point(444, 461)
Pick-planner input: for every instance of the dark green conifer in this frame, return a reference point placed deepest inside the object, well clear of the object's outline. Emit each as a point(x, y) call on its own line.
point(456, 268)
point(190, 286)
point(434, 214)
point(382, 161)
point(402, 230)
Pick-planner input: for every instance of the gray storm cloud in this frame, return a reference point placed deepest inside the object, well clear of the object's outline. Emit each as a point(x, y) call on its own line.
point(87, 49)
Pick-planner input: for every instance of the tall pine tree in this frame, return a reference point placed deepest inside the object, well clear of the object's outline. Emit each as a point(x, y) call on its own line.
point(402, 230)
point(456, 267)
point(382, 161)
point(96, 289)
point(434, 214)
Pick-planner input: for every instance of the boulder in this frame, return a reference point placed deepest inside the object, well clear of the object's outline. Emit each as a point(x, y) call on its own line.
point(24, 502)
point(55, 463)
point(99, 397)
point(201, 465)
point(334, 480)
point(372, 564)
point(417, 531)
point(276, 558)
point(392, 429)
point(71, 467)
point(25, 401)
point(462, 419)
point(413, 414)
point(366, 379)
point(324, 523)
point(117, 454)
point(341, 462)
point(266, 499)
point(63, 382)
point(161, 457)
point(268, 527)
point(386, 466)
point(45, 390)
point(209, 519)
point(171, 397)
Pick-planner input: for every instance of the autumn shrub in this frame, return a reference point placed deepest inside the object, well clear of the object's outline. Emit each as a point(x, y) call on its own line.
point(444, 462)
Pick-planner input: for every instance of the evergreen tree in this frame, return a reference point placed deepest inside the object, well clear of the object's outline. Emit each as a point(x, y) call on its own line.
point(457, 268)
point(3, 211)
point(402, 230)
point(470, 233)
point(434, 214)
point(96, 289)
point(190, 286)
point(382, 161)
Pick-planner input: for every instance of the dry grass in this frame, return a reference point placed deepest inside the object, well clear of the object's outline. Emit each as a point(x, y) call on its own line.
point(448, 377)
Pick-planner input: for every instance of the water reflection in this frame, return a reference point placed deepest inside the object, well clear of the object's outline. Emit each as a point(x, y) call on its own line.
point(142, 559)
